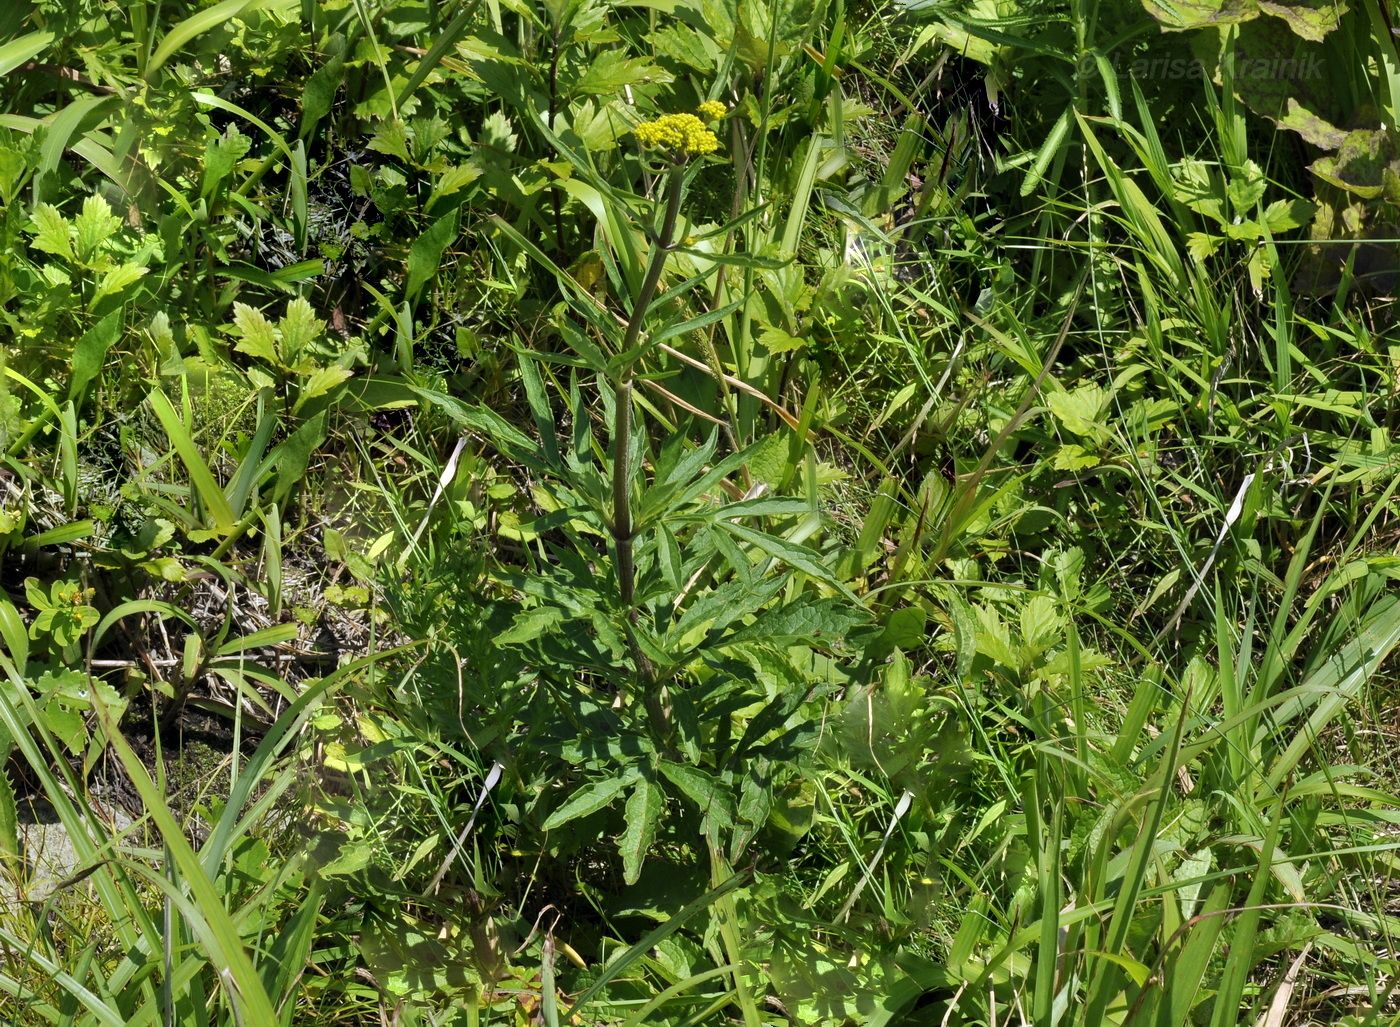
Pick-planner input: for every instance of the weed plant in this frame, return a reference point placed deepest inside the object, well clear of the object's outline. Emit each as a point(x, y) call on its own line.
point(796, 512)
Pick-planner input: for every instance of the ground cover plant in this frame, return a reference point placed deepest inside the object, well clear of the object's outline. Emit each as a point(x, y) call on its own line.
point(699, 512)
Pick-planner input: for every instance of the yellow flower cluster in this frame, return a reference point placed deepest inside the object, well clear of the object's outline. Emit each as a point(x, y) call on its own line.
point(681, 134)
point(711, 110)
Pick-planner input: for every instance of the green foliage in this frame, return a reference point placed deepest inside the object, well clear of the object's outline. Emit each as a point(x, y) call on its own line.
point(693, 514)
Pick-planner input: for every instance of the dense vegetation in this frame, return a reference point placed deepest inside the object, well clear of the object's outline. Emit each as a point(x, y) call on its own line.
point(689, 512)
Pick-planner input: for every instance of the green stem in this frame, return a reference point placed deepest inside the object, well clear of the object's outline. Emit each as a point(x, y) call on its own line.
point(622, 430)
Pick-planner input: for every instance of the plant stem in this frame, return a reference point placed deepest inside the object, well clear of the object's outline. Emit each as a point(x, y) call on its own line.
point(622, 428)
point(555, 199)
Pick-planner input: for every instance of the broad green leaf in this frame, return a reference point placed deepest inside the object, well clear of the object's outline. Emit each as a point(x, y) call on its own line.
point(642, 814)
point(90, 351)
point(588, 799)
point(1361, 164)
point(1073, 457)
point(116, 280)
point(299, 328)
point(769, 458)
point(775, 340)
point(1310, 19)
point(221, 156)
point(703, 790)
point(321, 381)
point(1200, 245)
point(1246, 188)
point(51, 232)
point(256, 335)
point(1285, 215)
point(94, 226)
point(530, 624)
point(1079, 411)
point(318, 92)
point(453, 180)
point(612, 71)
point(1314, 129)
point(682, 43)
point(820, 622)
point(1182, 15)
point(426, 253)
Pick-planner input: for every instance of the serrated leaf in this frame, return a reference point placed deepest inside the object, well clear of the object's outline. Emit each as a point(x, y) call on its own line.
point(322, 381)
point(701, 789)
point(684, 44)
point(778, 341)
point(642, 814)
point(795, 556)
point(221, 156)
point(530, 624)
point(1075, 458)
point(994, 638)
point(814, 622)
point(299, 327)
point(1041, 621)
point(1247, 189)
point(66, 725)
point(256, 336)
point(51, 231)
point(496, 133)
point(1079, 410)
point(9, 820)
point(588, 799)
point(116, 280)
point(611, 71)
point(1285, 215)
point(390, 138)
point(94, 226)
point(453, 180)
point(1200, 245)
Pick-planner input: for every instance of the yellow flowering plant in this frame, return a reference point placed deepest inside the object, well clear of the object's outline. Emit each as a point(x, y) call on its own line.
point(682, 136)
